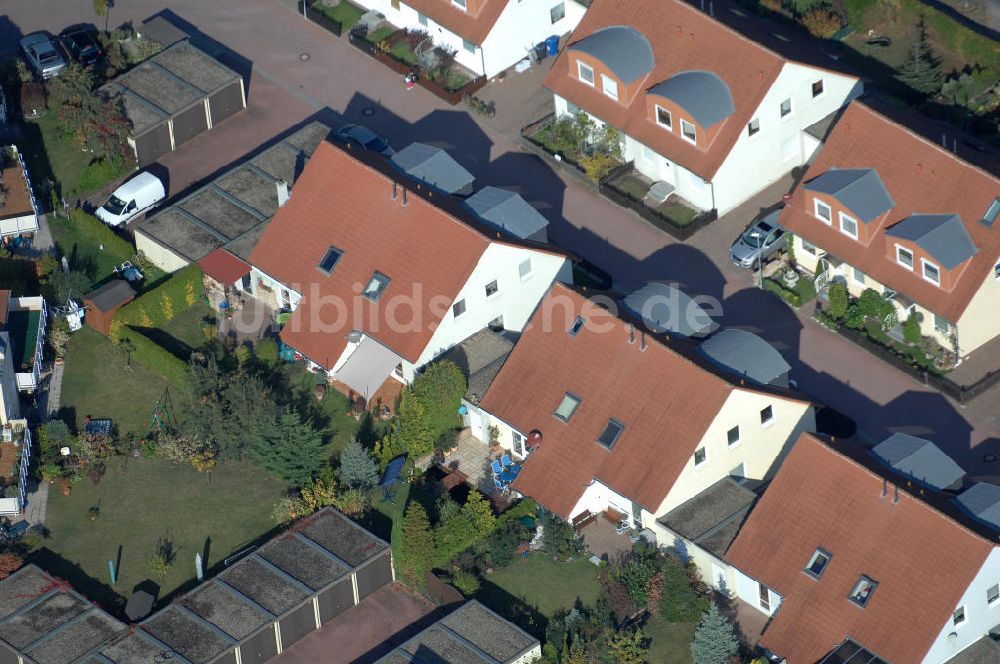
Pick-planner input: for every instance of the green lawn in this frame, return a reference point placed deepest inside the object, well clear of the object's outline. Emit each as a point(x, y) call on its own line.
point(143, 500)
point(184, 333)
point(93, 248)
point(543, 584)
point(333, 412)
point(344, 13)
point(670, 642)
point(377, 36)
point(95, 383)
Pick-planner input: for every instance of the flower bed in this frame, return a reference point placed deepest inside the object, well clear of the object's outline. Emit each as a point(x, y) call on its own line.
point(803, 291)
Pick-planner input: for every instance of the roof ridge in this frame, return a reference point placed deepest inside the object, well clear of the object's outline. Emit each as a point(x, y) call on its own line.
point(734, 31)
point(924, 504)
point(861, 104)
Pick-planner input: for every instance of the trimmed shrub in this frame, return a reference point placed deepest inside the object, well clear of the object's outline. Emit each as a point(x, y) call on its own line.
point(838, 304)
point(151, 310)
point(822, 22)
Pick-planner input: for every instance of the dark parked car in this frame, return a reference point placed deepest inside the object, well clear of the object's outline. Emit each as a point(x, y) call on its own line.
point(369, 140)
point(82, 44)
point(760, 241)
point(43, 54)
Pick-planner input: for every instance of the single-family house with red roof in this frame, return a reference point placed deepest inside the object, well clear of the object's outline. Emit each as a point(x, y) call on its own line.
point(715, 116)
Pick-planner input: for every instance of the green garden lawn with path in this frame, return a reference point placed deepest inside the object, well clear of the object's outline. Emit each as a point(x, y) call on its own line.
point(143, 500)
point(544, 584)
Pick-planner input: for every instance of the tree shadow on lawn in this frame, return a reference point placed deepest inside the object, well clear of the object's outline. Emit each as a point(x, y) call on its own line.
point(528, 618)
point(100, 592)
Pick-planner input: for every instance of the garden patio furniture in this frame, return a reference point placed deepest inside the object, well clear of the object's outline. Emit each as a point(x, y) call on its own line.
point(505, 461)
point(497, 468)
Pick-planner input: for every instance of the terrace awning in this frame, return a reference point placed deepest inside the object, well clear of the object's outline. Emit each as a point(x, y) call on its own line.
point(367, 367)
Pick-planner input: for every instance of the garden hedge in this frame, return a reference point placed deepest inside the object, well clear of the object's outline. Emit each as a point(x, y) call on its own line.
point(158, 305)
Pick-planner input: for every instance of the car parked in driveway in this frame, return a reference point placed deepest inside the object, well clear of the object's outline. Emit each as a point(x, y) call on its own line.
point(761, 240)
point(82, 44)
point(43, 54)
point(132, 199)
point(365, 137)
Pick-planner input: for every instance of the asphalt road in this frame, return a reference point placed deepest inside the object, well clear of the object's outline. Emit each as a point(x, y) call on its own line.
point(300, 72)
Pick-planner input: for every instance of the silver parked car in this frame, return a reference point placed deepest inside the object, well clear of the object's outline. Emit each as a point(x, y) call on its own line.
point(758, 242)
point(43, 54)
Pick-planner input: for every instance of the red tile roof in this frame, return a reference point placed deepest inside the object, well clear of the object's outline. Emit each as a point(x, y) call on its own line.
point(922, 560)
point(665, 401)
point(474, 26)
point(921, 177)
point(344, 203)
point(224, 267)
point(683, 39)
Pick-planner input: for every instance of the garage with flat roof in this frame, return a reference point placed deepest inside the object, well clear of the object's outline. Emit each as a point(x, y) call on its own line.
point(232, 210)
point(173, 96)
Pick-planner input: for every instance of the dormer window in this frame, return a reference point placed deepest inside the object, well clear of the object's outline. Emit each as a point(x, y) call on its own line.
point(931, 272)
point(817, 564)
point(848, 225)
point(992, 212)
point(663, 118)
point(753, 127)
point(904, 257)
point(610, 86)
point(688, 131)
point(330, 260)
point(585, 72)
point(863, 591)
point(376, 286)
point(822, 211)
point(612, 430)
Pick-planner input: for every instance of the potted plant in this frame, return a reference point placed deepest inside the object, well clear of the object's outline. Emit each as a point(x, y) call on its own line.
point(494, 433)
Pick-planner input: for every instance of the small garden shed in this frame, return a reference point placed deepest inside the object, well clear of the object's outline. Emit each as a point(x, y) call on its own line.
point(102, 303)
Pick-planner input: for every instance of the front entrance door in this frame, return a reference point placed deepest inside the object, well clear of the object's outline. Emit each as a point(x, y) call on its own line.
point(477, 426)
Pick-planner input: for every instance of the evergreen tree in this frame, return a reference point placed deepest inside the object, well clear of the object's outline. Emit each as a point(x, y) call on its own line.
point(922, 69)
point(229, 409)
point(357, 468)
point(290, 448)
point(480, 513)
point(627, 648)
point(413, 432)
point(714, 640)
point(575, 654)
point(418, 544)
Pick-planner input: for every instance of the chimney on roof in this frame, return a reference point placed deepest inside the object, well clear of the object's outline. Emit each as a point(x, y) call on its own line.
point(395, 186)
point(631, 334)
point(283, 195)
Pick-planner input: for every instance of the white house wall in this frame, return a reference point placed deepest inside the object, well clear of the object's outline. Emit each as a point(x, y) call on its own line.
point(757, 161)
point(758, 449)
point(598, 497)
point(515, 301)
point(9, 405)
point(980, 617)
point(521, 25)
point(159, 255)
point(16, 225)
point(748, 590)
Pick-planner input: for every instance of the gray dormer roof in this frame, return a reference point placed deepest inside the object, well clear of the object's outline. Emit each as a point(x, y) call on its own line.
point(666, 308)
point(623, 49)
point(748, 355)
point(920, 459)
point(701, 93)
point(507, 210)
point(860, 190)
point(982, 500)
point(434, 166)
point(943, 236)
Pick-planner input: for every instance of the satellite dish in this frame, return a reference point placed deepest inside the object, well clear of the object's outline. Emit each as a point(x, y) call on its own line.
point(355, 336)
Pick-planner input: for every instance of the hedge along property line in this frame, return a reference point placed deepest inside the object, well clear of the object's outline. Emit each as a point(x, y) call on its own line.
point(155, 307)
point(453, 97)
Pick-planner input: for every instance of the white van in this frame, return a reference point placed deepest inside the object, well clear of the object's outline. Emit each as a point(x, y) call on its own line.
point(132, 198)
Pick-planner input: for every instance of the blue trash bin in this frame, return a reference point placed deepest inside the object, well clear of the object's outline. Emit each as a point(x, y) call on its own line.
point(552, 45)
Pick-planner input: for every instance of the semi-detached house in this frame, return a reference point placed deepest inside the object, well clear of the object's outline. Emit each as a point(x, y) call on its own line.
point(383, 274)
point(716, 116)
point(884, 209)
point(845, 560)
point(610, 417)
point(487, 36)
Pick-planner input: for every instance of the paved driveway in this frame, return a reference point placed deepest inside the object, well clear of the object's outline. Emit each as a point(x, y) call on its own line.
point(342, 83)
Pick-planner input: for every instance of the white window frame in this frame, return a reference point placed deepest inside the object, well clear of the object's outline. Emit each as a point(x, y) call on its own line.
point(568, 397)
point(464, 307)
point(423, 20)
point(816, 204)
point(496, 294)
point(822, 91)
point(900, 249)
point(582, 66)
point(694, 457)
point(469, 46)
point(812, 559)
point(791, 109)
point(993, 602)
point(844, 230)
point(809, 247)
point(769, 422)
point(517, 443)
point(739, 436)
point(694, 130)
point(521, 272)
point(924, 263)
point(751, 132)
point(957, 624)
point(670, 118)
point(609, 86)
